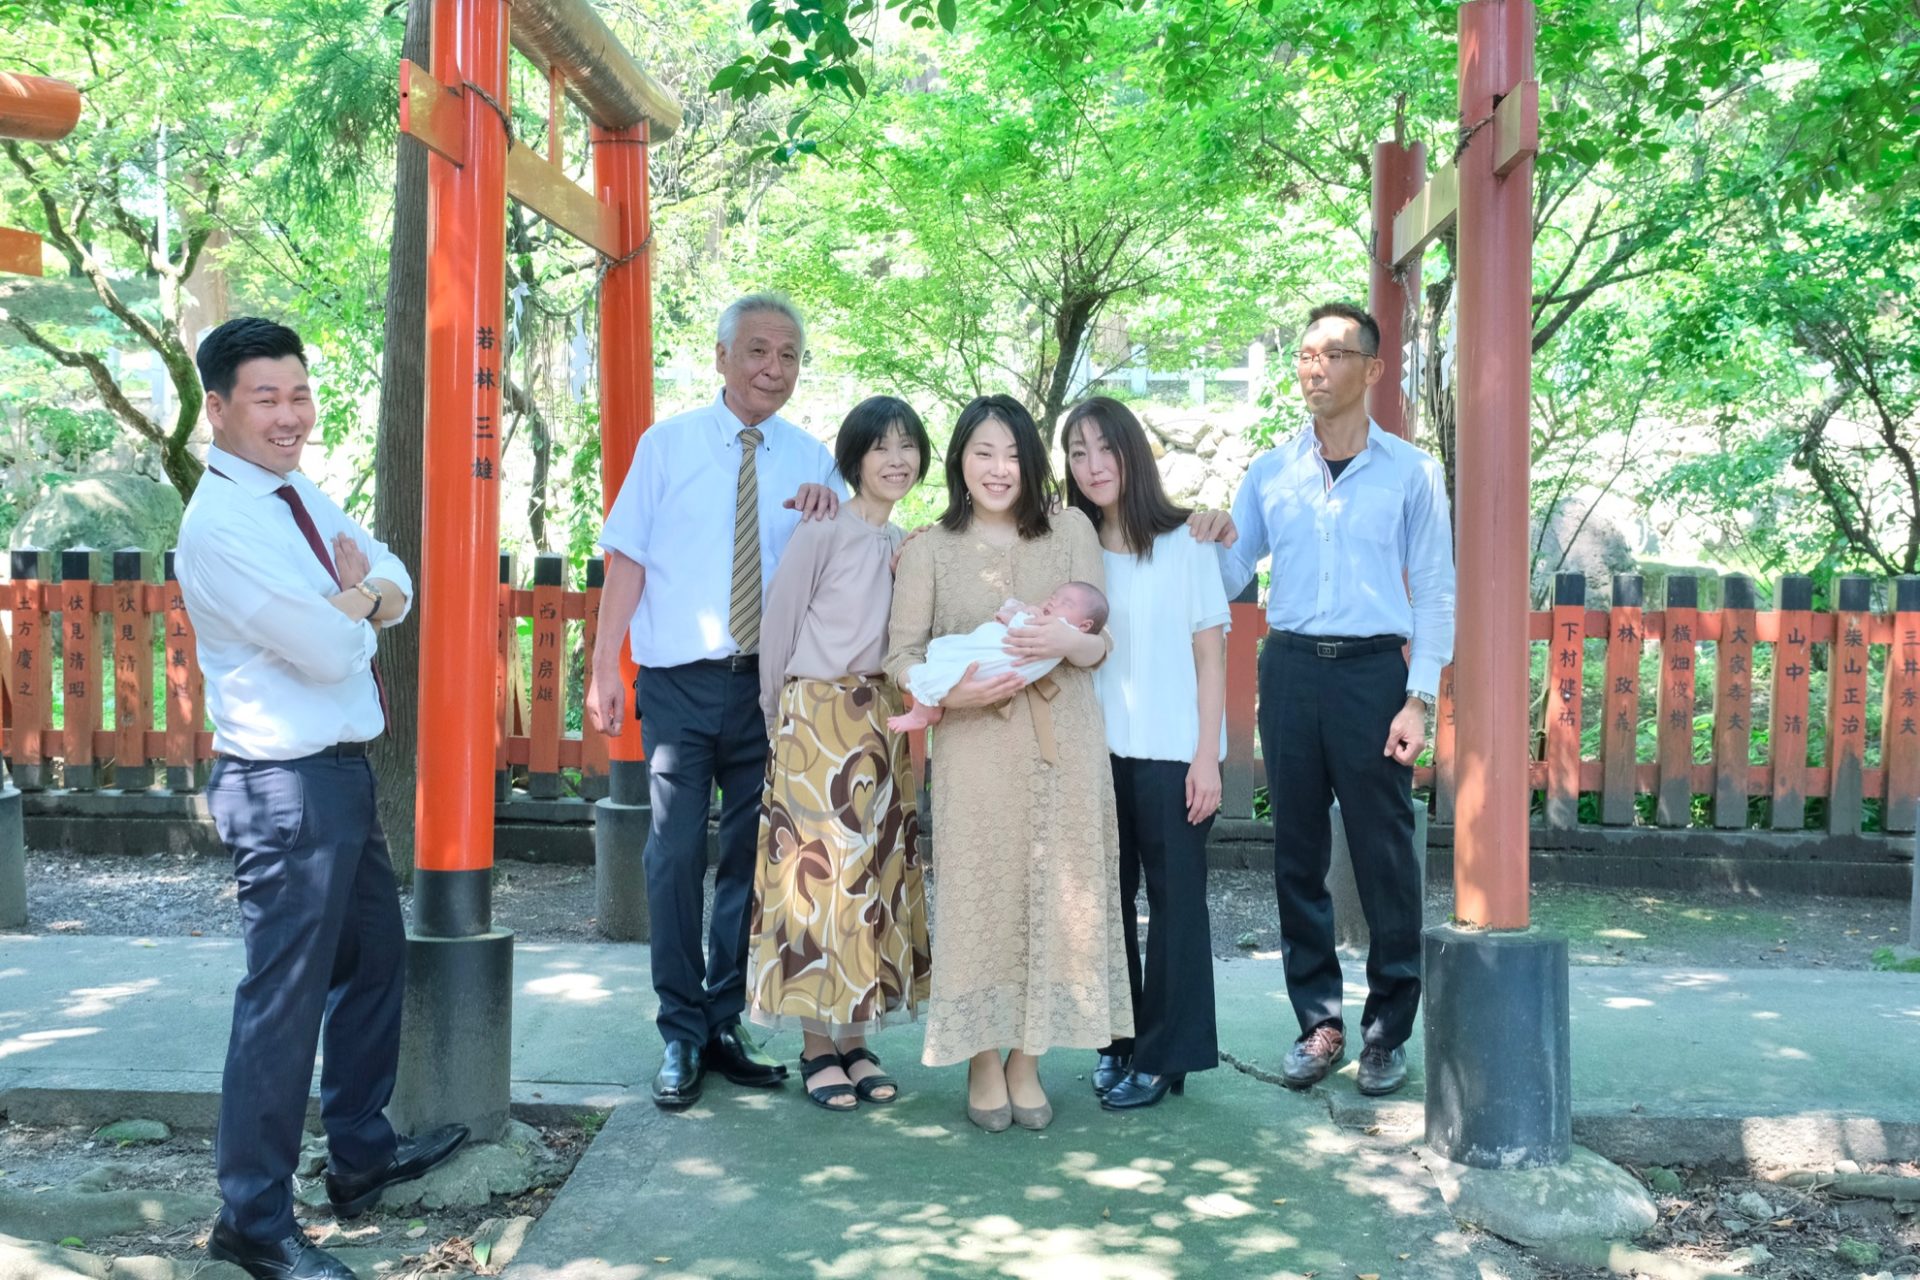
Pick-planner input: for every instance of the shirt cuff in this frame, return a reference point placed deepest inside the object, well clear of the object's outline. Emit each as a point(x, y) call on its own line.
point(1423, 673)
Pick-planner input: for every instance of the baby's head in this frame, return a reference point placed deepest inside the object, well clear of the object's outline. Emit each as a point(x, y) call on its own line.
point(1080, 603)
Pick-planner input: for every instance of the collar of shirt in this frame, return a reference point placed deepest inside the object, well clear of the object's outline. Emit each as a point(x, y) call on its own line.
point(1310, 443)
point(254, 480)
point(731, 426)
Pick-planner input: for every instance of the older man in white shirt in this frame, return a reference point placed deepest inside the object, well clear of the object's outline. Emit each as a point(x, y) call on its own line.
point(1362, 543)
point(287, 595)
point(691, 543)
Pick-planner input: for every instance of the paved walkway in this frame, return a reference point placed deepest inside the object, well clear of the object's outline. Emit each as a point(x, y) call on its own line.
point(1237, 1178)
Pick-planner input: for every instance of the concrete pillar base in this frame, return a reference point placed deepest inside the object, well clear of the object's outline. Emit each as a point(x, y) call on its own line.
point(456, 1035)
point(1349, 919)
point(619, 869)
point(13, 860)
point(1499, 1058)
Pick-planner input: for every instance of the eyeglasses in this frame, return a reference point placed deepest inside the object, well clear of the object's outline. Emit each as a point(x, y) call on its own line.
point(1330, 358)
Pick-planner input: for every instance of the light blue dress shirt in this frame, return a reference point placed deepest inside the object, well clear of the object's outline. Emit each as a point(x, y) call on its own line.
point(1349, 552)
point(674, 517)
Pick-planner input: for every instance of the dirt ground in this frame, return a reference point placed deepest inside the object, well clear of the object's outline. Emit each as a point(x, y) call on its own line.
point(423, 1241)
point(169, 894)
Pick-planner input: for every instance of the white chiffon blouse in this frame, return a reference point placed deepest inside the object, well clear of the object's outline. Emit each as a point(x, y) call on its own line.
point(1149, 691)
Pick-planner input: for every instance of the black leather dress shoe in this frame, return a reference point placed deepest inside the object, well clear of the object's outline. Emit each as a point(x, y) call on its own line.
point(1382, 1070)
point(734, 1055)
point(354, 1193)
point(1109, 1070)
point(1142, 1090)
point(1313, 1055)
point(676, 1085)
point(293, 1258)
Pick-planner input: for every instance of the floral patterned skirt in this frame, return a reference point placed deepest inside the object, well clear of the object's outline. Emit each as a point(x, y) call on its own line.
point(840, 909)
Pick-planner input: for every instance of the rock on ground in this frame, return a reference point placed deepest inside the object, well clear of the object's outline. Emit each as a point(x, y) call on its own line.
point(126, 1131)
point(95, 1215)
point(476, 1174)
point(1585, 1198)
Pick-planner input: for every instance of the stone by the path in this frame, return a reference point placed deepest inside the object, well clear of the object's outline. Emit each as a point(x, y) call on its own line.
point(1587, 1197)
point(1856, 1253)
point(128, 1132)
point(31, 1260)
point(1665, 1181)
point(95, 1215)
point(199, 1267)
point(497, 1241)
point(1753, 1206)
point(476, 1174)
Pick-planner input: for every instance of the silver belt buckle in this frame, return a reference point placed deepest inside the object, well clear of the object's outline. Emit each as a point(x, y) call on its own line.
point(1326, 649)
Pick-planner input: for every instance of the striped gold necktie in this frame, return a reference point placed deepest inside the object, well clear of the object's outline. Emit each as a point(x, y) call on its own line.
point(743, 616)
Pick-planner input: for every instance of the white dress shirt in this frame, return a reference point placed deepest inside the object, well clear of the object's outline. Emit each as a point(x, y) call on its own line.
point(287, 674)
point(1149, 688)
point(1348, 552)
point(674, 517)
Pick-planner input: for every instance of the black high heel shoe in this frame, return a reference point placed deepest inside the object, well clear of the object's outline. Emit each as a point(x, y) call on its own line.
point(1109, 1070)
point(1142, 1090)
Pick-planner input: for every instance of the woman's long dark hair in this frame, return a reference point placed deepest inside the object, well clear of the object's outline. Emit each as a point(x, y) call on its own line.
point(1145, 510)
point(1030, 450)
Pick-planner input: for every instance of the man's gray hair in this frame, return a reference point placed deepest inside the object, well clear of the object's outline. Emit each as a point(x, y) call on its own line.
point(778, 303)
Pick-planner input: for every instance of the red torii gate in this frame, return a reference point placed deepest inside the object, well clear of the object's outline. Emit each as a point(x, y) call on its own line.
point(1498, 1090)
point(456, 1041)
point(33, 109)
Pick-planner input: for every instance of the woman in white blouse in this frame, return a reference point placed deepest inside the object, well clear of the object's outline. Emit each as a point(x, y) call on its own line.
point(1163, 693)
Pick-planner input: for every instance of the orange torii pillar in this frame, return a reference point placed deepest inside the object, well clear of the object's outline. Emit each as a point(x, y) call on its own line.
point(1499, 1092)
point(456, 1034)
point(33, 109)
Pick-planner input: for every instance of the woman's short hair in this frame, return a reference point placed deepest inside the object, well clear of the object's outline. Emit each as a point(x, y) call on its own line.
point(866, 425)
point(1035, 500)
point(1145, 510)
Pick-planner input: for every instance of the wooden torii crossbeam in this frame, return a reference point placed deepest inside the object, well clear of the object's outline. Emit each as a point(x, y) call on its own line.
point(33, 109)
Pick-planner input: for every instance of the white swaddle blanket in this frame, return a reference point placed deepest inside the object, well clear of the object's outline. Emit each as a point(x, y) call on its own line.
point(948, 658)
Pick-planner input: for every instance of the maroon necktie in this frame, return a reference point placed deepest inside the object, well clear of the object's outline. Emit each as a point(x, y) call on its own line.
point(291, 496)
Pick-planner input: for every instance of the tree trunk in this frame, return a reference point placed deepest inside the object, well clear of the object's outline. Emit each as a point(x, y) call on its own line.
point(398, 461)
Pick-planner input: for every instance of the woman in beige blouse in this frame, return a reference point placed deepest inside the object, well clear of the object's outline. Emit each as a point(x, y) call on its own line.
point(1029, 952)
point(840, 920)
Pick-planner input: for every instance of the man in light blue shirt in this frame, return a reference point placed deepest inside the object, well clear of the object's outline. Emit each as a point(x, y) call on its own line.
point(1361, 536)
point(691, 542)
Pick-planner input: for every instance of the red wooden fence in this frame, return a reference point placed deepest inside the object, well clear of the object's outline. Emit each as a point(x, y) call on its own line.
point(1705, 665)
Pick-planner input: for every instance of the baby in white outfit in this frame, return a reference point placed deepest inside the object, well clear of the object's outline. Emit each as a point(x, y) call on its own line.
point(1079, 605)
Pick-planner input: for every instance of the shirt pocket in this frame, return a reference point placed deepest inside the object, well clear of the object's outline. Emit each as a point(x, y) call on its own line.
point(1371, 515)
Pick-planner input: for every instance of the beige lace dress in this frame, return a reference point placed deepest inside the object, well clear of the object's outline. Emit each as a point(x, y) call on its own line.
point(1027, 948)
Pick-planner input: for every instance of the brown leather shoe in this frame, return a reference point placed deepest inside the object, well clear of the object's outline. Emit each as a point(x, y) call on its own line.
point(1313, 1055)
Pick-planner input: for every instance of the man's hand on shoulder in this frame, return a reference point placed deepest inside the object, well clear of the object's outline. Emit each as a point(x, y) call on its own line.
point(1213, 526)
point(814, 502)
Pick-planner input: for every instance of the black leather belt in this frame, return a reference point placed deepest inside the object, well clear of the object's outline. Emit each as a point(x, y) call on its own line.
point(338, 751)
point(734, 662)
point(1336, 646)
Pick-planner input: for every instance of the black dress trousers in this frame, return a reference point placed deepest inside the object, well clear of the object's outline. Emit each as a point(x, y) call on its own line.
point(1323, 730)
point(325, 942)
point(703, 726)
point(1173, 1013)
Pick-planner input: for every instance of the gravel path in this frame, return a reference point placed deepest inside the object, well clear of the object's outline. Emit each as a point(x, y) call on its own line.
point(168, 894)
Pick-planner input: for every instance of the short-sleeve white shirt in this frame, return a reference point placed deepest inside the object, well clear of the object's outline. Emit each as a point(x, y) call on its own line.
point(674, 517)
point(1149, 690)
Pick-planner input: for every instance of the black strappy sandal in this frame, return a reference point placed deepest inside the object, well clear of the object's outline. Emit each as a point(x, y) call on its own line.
point(865, 1087)
point(824, 1096)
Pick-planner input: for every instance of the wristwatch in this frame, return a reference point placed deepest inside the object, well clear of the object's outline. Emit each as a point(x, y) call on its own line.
point(1426, 699)
point(370, 593)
